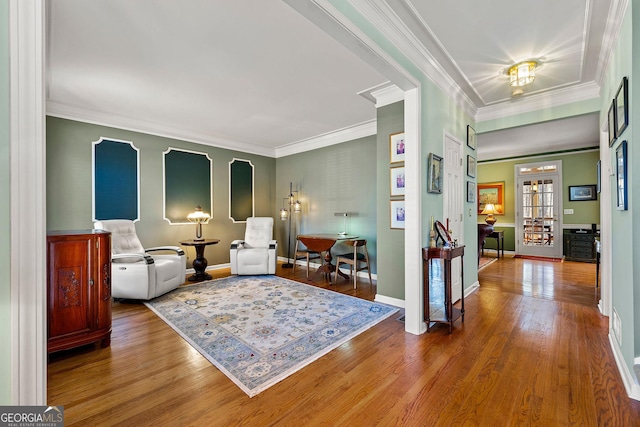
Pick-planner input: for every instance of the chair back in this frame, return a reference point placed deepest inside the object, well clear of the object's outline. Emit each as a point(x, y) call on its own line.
point(259, 231)
point(124, 239)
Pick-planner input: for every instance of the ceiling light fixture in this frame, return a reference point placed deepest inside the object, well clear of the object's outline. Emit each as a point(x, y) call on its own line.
point(523, 73)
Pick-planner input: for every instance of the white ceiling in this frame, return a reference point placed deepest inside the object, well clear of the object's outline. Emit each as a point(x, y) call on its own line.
point(257, 76)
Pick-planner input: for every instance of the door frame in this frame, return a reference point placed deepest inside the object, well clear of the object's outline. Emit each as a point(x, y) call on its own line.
point(457, 287)
point(557, 247)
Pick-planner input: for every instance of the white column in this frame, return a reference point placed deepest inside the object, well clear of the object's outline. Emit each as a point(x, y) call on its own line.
point(28, 208)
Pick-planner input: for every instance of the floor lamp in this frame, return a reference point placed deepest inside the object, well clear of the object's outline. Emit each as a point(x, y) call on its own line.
point(292, 205)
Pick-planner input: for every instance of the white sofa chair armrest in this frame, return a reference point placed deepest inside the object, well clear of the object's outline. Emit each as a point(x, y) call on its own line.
point(133, 258)
point(273, 256)
point(178, 250)
point(233, 255)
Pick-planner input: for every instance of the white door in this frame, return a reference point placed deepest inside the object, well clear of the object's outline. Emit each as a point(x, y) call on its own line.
point(538, 207)
point(454, 196)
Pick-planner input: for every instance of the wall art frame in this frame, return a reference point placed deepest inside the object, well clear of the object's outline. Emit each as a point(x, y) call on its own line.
point(396, 147)
point(396, 181)
point(611, 123)
point(434, 174)
point(471, 166)
point(622, 106)
point(491, 192)
point(397, 211)
point(621, 177)
point(580, 193)
point(471, 137)
point(471, 192)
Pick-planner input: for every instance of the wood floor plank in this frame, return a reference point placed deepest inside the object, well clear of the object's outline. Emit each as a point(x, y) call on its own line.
point(533, 350)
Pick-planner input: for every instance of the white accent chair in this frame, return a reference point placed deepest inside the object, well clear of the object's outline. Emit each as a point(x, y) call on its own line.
point(257, 253)
point(134, 273)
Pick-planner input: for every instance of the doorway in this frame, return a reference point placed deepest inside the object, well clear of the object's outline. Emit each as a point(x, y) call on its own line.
point(453, 193)
point(538, 207)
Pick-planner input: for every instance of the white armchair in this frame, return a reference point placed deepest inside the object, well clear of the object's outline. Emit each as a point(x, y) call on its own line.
point(134, 273)
point(257, 253)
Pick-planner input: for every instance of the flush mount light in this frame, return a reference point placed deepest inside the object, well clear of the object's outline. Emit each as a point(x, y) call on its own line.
point(523, 73)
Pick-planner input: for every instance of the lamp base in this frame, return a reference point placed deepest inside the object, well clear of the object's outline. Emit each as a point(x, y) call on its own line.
point(490, 220)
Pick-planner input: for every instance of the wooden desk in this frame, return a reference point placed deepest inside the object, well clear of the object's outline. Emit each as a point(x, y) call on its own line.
point(499, 236)
point(451, 313)
point(200, 262)
point(323, 242)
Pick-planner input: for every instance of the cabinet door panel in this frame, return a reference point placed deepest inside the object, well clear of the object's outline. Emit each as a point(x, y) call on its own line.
point(68, 287)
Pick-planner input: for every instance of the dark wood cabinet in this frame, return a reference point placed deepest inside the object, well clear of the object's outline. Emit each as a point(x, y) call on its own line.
point(579, 245)
point(78, 288)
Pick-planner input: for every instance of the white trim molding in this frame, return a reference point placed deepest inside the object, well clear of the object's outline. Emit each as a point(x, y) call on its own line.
point(28, 206)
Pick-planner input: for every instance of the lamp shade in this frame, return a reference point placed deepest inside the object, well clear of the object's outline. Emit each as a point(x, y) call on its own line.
point(198, 217)
point(489, 210)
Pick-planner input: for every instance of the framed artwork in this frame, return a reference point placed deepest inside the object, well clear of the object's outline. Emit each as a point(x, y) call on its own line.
point(578, 193)
point(622, 107)
point(621, 176)
point(599, 175)
point(434, 174)
point(397, 214)
point(471, 192)
point(492, 192)
point(396, 147)
point(612, 123)
point(396, 177)
point(471, 166)
point(471, 137)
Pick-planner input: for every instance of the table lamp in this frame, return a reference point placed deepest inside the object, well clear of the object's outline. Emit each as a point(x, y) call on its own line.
point(198, 217)
point(489, 210)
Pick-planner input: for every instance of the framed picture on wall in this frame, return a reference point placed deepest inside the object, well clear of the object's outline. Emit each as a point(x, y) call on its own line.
point(611, 123)
point(396, 147)
point(471, 192)
point(579, 193)
point(622, 107)
point(621, 176)
point(397, 214)
point(471, 166)
point(396, 177)
point(492, 192)
point(434, 174)
point(471, 137)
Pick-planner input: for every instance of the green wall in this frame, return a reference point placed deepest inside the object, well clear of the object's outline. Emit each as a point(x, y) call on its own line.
point(69, 188)
point(626, 231)
point(337, 178)
point(390, 242)
point(578, 168)
point(5, 213)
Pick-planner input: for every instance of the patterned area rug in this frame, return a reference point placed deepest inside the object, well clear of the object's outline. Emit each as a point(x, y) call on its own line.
point(260, 329)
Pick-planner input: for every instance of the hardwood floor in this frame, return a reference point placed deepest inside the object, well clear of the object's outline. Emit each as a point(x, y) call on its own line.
point(533, 351)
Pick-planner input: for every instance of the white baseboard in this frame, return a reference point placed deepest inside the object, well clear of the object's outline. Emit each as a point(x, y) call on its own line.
point(630, 381)
point(389, 301)
point(471, 289)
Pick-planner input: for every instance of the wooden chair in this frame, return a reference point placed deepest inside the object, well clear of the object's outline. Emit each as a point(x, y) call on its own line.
point(357, 261)
point(305, 253)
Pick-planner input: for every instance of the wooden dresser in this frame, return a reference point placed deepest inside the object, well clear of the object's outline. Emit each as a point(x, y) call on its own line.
point(78, 288)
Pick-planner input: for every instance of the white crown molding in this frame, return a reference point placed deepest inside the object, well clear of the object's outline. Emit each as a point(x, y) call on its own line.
point(383, 94)
point(56, 109)
point(388, 23)
point(558, 97)
point(337, 137)
point(617, 10)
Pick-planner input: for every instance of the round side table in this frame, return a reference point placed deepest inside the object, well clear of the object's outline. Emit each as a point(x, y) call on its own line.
point(200, 262)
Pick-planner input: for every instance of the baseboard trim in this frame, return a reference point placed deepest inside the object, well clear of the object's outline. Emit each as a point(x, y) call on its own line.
point(389, 301)
point(630, 382)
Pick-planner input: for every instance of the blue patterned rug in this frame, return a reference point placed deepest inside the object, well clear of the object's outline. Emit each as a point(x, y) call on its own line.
point(258, 330)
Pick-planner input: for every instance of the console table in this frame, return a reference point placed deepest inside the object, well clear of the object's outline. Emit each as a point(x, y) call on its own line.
point(499, 236)
point(200, 262)
point(451, 313)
